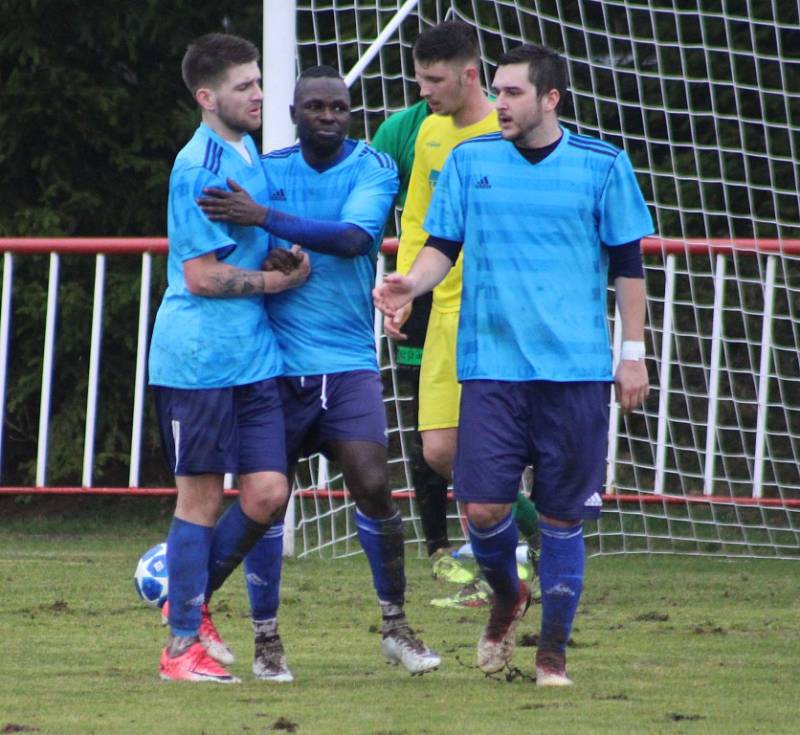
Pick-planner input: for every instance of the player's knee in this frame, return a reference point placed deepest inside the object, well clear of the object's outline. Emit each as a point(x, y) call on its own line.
point(485, 515)
point(264, 500)
point(372, 496)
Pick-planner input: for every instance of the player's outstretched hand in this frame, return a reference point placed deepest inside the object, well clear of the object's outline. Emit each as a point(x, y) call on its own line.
point(393, 325)
point(392, 295)
point(631, 384)
point(235, 205)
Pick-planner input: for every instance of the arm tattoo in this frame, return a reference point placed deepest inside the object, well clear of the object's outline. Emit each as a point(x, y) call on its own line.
point(235, 283)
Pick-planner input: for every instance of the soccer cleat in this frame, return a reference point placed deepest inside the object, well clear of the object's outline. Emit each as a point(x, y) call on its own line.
point(475, 594)
point(400, 646)
point(524, 572)
point(445, 567)
point(269, 662)
point(496, 644)
point(194, 664)
point(551, 669)
point(209, 636)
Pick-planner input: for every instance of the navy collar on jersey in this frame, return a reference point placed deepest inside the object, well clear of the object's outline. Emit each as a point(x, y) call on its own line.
point(348, 146)
point(537, 155)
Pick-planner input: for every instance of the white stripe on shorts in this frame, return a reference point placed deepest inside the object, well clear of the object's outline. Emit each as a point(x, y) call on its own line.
point(176, 438)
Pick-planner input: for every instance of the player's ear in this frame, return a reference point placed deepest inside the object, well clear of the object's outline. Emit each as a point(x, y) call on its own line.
point(205, 97)
point(292, 114)
point(551, 100)
point(471, 74)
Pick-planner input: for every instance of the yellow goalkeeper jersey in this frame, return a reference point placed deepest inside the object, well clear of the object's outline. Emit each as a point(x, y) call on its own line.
point(437, 137)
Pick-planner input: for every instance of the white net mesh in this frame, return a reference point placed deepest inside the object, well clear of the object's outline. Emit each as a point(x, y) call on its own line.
point(704, 96)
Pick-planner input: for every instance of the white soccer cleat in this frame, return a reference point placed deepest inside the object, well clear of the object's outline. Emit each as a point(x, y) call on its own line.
point(551, 669)
point(401, 646)
point(496, 644)
point(546, 678)
point(269, 662)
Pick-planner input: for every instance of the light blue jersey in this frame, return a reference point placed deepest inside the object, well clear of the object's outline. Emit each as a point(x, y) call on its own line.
point(198, 341)
point(326, 325)
point(535, 271)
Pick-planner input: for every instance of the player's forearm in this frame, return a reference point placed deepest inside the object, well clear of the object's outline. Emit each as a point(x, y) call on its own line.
point(323, 236)
point(277, 281)
point(632, 305)
point(225, 281)
point(429, 269)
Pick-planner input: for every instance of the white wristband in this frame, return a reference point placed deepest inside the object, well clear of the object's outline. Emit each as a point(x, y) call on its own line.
point(632, 351)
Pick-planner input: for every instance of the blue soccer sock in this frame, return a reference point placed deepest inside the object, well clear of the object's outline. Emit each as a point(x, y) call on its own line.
point(561, 567)
point(495, 550)
point(383, 543)
point(188, 547)
point(262, 571)
point(234, 535)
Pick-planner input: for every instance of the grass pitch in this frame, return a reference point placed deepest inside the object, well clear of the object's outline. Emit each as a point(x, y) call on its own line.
point(662, 644)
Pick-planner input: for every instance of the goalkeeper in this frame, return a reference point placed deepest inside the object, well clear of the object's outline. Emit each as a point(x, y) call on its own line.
point(446, 62)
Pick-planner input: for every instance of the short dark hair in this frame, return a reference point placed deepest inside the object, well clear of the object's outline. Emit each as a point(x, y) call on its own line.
point(546, 68)
point(448, 41)
point(321, 71)
point(208, 58)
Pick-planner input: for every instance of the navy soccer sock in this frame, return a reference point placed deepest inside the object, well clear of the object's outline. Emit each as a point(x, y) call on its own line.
point(561, 567)
point(234, 535)
point(188, 547)
point(262, 571)
point(495, 550)
point(382, 541)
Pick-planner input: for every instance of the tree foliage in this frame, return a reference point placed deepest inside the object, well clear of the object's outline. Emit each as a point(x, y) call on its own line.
point(93, 111)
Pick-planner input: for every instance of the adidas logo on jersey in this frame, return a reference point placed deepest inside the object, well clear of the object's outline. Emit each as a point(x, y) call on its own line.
point(278, 196)
point(594, 501)
point(483, 183)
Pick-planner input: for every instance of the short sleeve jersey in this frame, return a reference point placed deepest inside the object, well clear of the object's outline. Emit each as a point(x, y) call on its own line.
point(326, 325)
point(535, 271)
point(397, 136)
point(199, 341)
point(436, 139)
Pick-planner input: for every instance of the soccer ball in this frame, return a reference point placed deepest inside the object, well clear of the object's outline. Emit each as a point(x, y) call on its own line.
point(150, 579)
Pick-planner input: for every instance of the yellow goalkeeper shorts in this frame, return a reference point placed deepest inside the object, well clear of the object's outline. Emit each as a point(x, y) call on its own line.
point(439, 390)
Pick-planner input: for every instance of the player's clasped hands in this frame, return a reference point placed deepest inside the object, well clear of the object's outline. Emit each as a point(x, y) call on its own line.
point(293, 263)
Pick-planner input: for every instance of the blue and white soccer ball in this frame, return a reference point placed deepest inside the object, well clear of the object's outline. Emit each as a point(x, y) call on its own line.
point(150, 579)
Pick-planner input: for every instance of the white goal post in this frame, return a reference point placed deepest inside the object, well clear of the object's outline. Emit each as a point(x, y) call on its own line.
point(706, 101)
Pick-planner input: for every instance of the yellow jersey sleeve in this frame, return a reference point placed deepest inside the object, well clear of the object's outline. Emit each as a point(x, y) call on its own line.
point(436, 139)
point(412, 236)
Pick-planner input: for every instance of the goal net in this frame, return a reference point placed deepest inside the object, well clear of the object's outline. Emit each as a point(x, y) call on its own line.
point(705, 98)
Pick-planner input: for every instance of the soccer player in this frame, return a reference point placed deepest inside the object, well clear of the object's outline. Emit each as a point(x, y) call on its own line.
point(543, 217)
point(214, 359)
point(332, 195)
point(447, 67)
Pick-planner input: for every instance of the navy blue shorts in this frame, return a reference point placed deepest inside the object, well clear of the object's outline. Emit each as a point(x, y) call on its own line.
point(337, 407)
point(559, 428)
point(218, 430)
